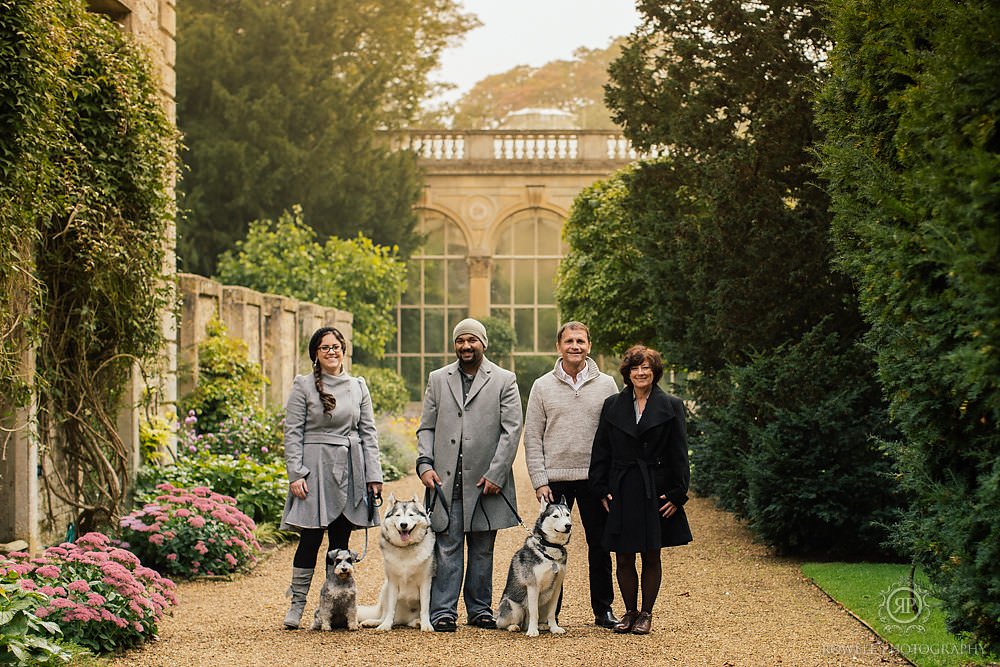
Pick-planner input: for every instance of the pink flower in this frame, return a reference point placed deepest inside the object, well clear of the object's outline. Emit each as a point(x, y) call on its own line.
point(27, 584)
point(80, 586)
point(231, 559)
point(95, 599)
point(42, 612)
point(171, 557)
point(156, 539)
point(196, 521)
point(201, 548)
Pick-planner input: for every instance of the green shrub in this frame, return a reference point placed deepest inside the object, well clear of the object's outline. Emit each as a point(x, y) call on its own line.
point(259, 436)
point(259, 488)
point(229, 384)
point(387, 388)
point(503, 339)
point(911, 158)
point(25, 638)
point(192, 533)
point(813, 477)
point(397, 442)
point(100, 595)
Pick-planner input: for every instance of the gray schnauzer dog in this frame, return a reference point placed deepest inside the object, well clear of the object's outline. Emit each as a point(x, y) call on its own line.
point(338, 599)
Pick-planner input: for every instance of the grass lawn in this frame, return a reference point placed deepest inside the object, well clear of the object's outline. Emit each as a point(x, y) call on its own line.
point(880, 594)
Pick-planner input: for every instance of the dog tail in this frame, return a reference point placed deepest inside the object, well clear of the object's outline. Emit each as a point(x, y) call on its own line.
point(370, 612)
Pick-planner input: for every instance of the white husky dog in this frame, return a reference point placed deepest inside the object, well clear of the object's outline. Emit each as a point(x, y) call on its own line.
point(407, 545)
point(536, 573)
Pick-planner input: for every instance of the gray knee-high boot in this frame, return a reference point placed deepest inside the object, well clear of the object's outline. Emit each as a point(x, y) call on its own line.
point(301, 578)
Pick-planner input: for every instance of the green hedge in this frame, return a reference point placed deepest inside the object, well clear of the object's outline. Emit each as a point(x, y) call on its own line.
point(912, 158)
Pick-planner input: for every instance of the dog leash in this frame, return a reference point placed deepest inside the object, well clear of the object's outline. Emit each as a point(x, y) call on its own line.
point(374, 501)
point(489, 526)
point(431, 497)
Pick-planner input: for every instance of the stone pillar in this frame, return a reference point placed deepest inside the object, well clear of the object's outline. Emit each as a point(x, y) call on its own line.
point(201, 300)
point(19, 510)
point(479, 285)
point(281, 330)
point(479, 146)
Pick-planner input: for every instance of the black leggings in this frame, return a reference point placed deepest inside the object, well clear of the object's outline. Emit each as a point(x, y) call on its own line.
point(628, 579)
point(310, 540)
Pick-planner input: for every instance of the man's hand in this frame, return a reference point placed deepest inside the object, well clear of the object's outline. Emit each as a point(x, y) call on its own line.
point(668, 509)
point(299, 488)
point(489, 488)
point(375, 488)
point(544, 492)
point(604, 502)
point(430, 478)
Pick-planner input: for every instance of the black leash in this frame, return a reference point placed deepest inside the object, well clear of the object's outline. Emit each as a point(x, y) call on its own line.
point(374, 501)
point(489, 526)
point(431, 497)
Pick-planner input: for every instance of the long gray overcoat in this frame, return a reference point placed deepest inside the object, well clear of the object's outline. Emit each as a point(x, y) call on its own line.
point(488, 426)
point(337, 453)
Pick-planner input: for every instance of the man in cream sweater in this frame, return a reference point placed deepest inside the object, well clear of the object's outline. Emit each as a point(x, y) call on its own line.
point(564, 407)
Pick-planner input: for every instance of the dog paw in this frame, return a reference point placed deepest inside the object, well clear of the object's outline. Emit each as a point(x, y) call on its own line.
point(353, 626)
point(532, 632)
point(513, 627)
point(384, 627)
point(371, 622)
point(556, 630)
point(426, 627)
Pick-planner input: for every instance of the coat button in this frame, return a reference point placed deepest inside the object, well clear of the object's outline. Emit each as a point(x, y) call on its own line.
point(453, 441)
point(459, 413)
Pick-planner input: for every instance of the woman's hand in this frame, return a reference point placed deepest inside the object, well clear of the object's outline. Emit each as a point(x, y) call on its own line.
point(668, 509)
point(299, 488)
point(375, 488)
point(605, 500)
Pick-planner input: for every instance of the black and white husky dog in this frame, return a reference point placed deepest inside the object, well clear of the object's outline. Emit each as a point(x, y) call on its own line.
point(536, 573)
point(407, 544)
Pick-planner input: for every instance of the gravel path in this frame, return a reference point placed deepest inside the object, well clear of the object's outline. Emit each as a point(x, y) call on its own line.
point(725, 601)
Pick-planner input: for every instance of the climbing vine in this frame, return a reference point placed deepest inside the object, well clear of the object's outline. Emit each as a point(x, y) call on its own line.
point(88, 166)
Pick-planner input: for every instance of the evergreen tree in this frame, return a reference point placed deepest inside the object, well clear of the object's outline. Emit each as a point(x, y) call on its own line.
point(719, 254)
point(280, 103)
point(913, 158)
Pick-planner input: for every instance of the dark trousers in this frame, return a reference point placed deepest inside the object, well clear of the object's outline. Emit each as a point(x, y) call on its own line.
point(310, 540)
point(594, 518)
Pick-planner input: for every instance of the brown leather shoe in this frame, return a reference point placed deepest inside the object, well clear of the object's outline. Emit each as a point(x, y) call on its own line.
point(628, 620)
point(643, 623)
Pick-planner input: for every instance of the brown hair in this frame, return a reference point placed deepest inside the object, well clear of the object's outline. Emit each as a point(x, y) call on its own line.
point(572, 325)
point(329, 402)
point(634, 356)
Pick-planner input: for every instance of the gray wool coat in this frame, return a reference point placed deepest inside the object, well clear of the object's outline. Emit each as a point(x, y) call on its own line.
point(336, 453)
point(487, 426)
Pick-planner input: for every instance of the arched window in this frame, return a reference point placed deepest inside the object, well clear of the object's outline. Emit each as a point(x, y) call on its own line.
point(522, 290)
point(436, 299)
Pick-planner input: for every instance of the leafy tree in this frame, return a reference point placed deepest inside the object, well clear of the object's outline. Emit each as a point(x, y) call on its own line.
point(280, 102)
point(356, 275)
point(576, 86)
point(912, 157)
point(719, 255)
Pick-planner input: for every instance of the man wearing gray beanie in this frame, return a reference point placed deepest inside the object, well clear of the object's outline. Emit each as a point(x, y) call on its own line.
point(466, 442)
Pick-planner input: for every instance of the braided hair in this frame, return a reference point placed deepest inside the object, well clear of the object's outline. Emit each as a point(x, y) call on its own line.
point(329, 402)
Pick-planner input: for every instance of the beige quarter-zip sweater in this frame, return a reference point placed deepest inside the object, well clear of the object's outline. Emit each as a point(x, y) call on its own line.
point(560, 423)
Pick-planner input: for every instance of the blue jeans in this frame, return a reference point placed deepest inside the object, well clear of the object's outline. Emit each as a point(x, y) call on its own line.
point(449, 556)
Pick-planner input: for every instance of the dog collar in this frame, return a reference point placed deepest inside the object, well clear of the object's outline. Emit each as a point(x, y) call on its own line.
point(549, 545)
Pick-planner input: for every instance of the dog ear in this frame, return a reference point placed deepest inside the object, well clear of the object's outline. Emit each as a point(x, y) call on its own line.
point(545, 503)
point(562, 500)
point(354, 556)
point(391, 500)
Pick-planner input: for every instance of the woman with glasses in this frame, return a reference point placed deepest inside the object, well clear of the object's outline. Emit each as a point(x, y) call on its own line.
point(332, 459)
point(639, 468)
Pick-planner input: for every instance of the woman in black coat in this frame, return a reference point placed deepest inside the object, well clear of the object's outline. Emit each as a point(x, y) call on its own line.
point(639, 467)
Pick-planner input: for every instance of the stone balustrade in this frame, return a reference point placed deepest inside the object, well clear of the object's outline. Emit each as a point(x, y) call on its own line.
point(504, 146)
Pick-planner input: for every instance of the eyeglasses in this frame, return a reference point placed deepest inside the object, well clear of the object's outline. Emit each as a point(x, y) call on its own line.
point(330, 348)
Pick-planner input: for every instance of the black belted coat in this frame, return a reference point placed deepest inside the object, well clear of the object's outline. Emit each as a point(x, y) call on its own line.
point(637, 463)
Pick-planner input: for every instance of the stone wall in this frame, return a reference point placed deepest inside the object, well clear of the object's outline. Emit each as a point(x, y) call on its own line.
point(275, 328)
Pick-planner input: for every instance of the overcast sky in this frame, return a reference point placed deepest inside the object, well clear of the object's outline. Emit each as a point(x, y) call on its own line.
point(531, 32)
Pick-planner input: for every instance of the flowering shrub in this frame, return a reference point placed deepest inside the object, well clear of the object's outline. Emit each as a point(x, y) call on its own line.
point(100, 595)
point(259, 488)
point(258, 435)
point(192, 533)
point(25, 638)
point(397, 443)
